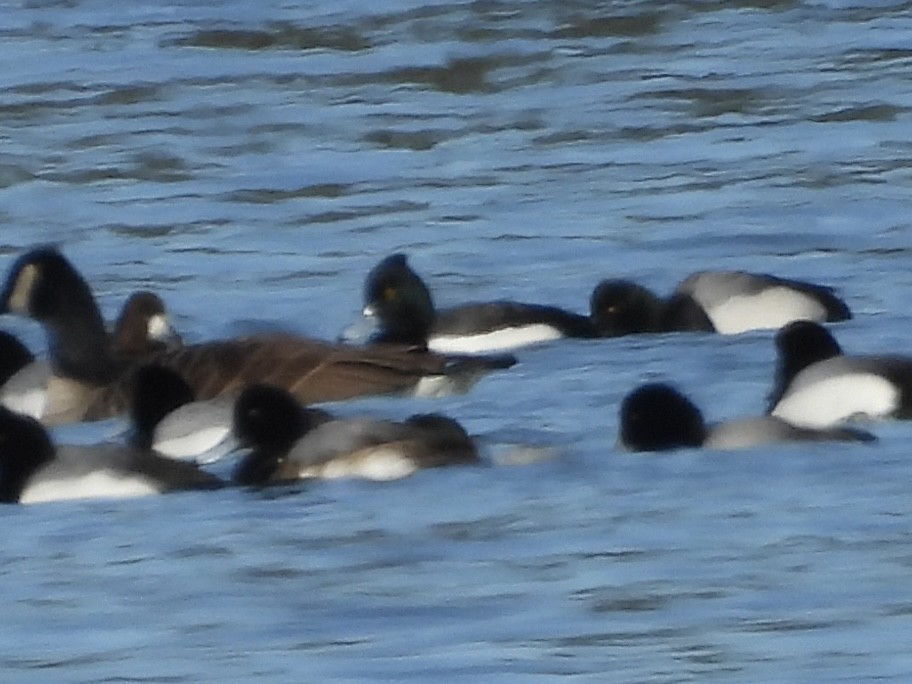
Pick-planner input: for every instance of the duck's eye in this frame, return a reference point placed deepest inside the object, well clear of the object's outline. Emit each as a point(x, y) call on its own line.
point(389, 294)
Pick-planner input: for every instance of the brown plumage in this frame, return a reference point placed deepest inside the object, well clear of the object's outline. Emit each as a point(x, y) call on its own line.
point(311, 370)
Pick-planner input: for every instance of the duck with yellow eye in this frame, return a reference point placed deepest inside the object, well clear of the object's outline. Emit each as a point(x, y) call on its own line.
point(400, 304)
point(621, 307)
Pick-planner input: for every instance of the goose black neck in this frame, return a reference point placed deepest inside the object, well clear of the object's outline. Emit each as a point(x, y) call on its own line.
point(79, 347)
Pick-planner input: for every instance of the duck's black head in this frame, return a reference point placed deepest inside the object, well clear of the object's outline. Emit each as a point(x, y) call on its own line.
point(621, 307)
point(400, 300)
point(798, 345)
point(656, 417)
point(24, 447)
point(801, 343)
point(268, 421)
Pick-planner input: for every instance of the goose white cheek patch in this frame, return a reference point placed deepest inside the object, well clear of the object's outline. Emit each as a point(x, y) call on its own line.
point(158, 327)
point(96, 485)
point(830, 401)
point(497, 340)
point(767, 310)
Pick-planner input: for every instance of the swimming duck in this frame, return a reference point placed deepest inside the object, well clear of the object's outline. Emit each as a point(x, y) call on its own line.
point(657, 417)
point(90, 382)
point(737, 301)
point(288, 442)
point(33, 470)
point(727, 302)
point(166, 418)
point(817, 385)
point(400, 301)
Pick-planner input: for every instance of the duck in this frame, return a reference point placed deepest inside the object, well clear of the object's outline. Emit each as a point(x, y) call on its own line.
point(725, 302)
point(817, 385)
point(90, 382)
point(142, 328)
point(289, 442)
point(739, 301)
point(658, 417)
point(165, 417)
point(398, 300)
point(34, 470)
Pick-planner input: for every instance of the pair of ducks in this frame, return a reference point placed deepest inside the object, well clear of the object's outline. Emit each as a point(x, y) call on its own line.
point(727, 302)
point(284, 441)
point(817, 389)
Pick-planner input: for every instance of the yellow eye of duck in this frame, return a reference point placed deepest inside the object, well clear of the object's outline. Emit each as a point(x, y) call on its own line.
point(389, 294)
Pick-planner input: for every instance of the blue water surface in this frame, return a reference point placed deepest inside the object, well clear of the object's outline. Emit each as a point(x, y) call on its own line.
point(252, 161)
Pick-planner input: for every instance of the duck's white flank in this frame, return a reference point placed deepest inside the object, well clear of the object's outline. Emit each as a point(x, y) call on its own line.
point(380, 463)
point(93, 485)
point(194, 429)
point(770, 309)
point(496, 340)
point(192, 445)
point(829, 401)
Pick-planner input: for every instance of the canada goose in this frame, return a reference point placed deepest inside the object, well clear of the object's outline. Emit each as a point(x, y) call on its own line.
point(288, 442)
point(89, 382)
point(657, 417)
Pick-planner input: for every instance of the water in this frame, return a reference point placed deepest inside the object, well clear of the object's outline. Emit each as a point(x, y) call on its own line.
point(251, 161)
